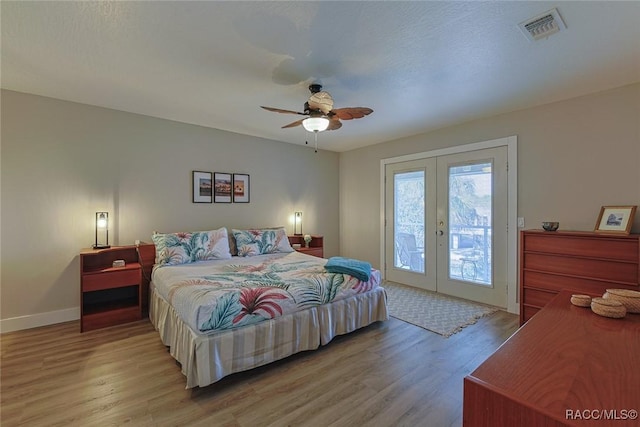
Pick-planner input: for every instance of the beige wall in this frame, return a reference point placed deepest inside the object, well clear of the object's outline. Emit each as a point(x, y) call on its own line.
point(573, 157)
point(62, 162)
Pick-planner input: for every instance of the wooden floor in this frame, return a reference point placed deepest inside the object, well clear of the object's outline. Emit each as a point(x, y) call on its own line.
point(388, 374)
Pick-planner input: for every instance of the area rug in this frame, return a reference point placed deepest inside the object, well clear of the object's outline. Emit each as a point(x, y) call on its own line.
point(432, 311)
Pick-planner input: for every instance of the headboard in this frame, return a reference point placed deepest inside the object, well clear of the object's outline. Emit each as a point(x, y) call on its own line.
point(146, 257)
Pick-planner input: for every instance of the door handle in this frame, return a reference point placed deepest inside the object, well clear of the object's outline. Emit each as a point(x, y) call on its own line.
point(440, 233)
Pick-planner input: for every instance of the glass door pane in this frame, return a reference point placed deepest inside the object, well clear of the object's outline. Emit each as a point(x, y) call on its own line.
point(470, 219)
point(409, 214)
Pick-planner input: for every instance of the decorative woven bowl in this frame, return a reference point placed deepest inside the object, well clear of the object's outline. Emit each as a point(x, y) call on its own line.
point(630, 299)
point(550, 225)
point(581, 300)
point(608, 308)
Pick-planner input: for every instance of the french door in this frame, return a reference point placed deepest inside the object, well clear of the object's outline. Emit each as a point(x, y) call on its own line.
point(411, 223)
point(446, 224)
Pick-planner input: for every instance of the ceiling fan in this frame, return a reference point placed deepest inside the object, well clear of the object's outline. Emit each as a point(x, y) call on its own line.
point(321, 114)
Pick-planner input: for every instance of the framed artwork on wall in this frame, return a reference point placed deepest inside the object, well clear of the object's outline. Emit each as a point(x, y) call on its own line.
point(241, 188)
point(222, 187)
point(615, 219)
point(201, 188)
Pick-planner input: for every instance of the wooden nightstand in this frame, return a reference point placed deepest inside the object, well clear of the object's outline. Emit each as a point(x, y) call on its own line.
point(109, 295)
point(316, 246)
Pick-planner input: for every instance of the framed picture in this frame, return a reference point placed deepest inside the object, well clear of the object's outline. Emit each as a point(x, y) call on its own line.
point(201, 187)
point(221, 187)
point(241, 188)
point(615, 219)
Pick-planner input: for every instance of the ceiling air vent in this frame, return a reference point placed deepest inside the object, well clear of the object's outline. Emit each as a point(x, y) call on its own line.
point(543, 25)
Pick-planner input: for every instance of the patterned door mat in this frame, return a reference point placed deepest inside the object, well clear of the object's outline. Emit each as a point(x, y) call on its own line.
point(432, 311)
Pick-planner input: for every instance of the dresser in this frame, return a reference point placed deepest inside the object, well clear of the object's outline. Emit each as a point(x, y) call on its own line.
point(585, 262)
point(564, 366)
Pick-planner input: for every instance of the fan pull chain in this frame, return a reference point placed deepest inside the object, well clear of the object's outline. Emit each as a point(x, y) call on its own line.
point(315, 135)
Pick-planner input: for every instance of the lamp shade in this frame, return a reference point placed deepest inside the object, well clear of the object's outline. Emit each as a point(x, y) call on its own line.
point(102, 230)
point(297, 223)
point(315, 124)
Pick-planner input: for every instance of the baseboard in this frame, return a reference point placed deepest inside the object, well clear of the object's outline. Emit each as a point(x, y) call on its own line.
point(40, 319)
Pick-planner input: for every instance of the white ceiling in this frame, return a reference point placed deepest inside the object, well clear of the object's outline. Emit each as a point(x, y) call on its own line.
point(418, 65)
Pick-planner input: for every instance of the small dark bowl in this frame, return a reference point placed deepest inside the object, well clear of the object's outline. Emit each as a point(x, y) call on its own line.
point(550, 226)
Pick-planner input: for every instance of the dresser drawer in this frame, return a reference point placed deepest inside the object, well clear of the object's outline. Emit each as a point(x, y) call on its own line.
point(557, 282)
point(594, 247)
point(528, 312)
point(111, 279)
point(624, 272)
point(538, 297)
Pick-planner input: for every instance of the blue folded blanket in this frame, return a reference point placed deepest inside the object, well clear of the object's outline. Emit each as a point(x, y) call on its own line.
point(361, 270)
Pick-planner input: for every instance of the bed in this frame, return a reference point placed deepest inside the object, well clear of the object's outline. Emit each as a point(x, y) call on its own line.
point(230, 302)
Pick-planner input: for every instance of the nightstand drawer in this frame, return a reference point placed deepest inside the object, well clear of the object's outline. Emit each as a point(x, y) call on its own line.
point(111, 279)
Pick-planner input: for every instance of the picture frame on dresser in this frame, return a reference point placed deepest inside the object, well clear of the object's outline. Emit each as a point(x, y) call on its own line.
point(201, 187)
point(615, 219)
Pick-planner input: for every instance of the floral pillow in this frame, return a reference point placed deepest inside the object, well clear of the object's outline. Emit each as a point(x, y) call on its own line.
point(183, 248)
point(262, 241)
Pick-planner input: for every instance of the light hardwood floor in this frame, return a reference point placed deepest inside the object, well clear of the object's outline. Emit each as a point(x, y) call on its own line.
point(388, 374)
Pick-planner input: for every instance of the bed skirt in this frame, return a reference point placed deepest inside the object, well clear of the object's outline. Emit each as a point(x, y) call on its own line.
point(206, 359)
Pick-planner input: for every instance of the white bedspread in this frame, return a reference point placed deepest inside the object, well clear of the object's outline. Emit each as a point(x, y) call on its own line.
point(219, 295)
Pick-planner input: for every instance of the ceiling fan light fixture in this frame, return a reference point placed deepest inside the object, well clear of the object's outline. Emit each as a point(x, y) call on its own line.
point(315, 124)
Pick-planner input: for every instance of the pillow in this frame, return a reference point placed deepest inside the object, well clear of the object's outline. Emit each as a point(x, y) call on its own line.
point(184, 248)
point(262, 241)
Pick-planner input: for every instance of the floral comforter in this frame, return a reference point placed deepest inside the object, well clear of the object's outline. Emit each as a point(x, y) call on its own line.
point(224, 294)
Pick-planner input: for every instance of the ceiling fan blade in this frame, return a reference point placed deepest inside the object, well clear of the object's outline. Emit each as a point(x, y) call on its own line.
point(280, 110)
point(349, 113)
point(334, 123)
point(294, 124)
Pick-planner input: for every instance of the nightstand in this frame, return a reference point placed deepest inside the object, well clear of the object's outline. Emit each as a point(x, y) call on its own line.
point(109, 295)
point(316, 246)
